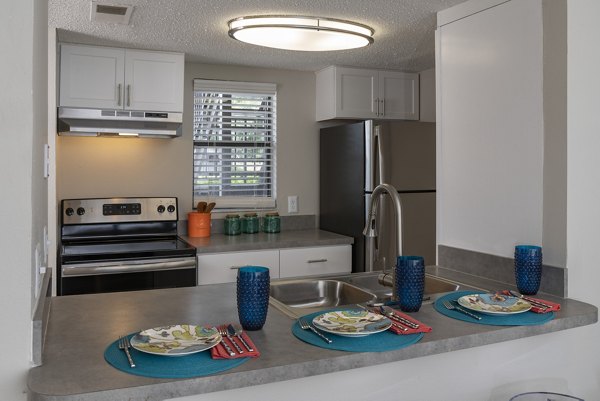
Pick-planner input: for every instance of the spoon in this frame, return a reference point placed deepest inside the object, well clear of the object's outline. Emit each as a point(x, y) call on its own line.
point(238, 333)
point(201, 207)
point(210, 207)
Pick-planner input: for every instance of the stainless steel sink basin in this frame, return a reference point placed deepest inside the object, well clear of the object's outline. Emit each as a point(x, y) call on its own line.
point(369, 281)
point(296, 297)
point(315, 293)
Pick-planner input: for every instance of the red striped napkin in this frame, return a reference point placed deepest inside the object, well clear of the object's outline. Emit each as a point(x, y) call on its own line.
point(423, 328)
point(535, 307)
point(219, 351)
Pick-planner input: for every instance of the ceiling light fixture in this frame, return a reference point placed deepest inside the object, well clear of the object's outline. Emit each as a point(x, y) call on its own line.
point(300, 33)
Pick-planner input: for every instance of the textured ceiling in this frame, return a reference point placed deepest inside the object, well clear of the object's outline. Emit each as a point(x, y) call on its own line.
point(404, 30)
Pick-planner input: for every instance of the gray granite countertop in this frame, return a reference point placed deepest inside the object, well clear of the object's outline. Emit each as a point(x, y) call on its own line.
point(82, 326)
point(250, 242)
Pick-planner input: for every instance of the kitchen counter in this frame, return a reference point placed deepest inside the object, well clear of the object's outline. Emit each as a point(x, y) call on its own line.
point(250, 242)
point(82, 326)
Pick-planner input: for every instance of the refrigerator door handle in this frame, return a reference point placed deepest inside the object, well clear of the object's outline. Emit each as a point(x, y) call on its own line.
point(379, 156)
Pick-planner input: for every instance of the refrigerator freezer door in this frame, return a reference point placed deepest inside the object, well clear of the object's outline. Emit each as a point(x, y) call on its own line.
point(411, 155)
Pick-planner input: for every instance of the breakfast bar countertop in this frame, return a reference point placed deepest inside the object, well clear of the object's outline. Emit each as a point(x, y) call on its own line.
point(82, 326)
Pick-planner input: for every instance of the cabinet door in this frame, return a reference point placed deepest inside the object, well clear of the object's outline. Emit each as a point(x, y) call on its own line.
point(356, 93)
point(222, 267)
point(399, 95)
point(154, 81)
point(315, 261)
point(91, 77)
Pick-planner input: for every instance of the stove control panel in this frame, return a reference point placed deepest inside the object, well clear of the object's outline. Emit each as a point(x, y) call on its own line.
point(118, 210)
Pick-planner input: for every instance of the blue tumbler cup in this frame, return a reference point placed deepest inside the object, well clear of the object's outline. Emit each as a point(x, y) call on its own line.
point(410, 282)
point(528, 268)
point(253, 284)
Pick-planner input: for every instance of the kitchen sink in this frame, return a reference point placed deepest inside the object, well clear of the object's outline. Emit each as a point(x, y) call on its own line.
point(314, 293)
point(300, 296)
point(370, 282)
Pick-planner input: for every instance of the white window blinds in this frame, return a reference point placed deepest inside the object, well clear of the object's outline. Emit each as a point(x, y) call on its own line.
point(234, 143)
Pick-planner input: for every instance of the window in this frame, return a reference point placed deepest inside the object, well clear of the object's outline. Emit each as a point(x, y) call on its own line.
point(234, 143)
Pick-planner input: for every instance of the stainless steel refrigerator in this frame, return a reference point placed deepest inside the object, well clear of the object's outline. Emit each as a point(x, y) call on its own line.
point(354, 159)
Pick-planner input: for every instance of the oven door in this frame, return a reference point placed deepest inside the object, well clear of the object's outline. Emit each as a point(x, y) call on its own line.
point(127, 275)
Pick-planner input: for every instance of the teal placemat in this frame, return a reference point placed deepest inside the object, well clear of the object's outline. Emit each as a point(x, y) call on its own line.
point(168, 367)
point(521, 319)
point(384, 341)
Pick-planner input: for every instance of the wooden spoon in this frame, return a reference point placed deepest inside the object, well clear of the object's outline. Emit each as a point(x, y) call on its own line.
point(201, 207)
point(210, 207)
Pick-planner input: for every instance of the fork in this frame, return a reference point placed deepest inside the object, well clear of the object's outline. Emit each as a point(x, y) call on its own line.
point(223, 332)
point(304, 325)
point(125, 345)
point(449, 306)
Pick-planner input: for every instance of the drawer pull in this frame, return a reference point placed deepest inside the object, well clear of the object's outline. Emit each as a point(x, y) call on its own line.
point(316, 261)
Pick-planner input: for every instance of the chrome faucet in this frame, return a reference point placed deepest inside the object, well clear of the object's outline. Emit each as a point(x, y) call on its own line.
point(370, 230)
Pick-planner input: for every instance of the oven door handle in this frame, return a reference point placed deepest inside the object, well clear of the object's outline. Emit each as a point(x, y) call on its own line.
point(96, 269)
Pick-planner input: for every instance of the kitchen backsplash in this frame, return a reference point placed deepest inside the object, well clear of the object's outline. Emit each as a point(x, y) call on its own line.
point(498, 268)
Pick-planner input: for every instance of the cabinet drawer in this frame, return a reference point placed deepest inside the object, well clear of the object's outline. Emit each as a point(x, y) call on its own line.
point(222, 267)
point(315, 261)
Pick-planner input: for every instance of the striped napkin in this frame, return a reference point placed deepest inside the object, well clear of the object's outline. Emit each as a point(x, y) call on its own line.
point(219, 351)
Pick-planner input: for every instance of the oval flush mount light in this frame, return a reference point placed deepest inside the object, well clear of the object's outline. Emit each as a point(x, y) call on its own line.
point(300, 33)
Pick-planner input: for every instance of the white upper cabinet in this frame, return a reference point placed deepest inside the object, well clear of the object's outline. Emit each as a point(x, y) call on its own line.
point(153, 81)
point(112, 78)
point(359, 93)
point(91, 77)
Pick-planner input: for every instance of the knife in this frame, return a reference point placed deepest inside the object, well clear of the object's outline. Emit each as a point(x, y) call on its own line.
point(373, 310)
point(532, 301)
point(230, 335)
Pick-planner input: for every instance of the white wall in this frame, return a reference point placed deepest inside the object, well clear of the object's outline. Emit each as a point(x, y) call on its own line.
point(97, 167)
point(23, 114)
point(491, 136)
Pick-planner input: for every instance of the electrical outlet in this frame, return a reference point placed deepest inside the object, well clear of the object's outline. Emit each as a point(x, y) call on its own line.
point(293, 204)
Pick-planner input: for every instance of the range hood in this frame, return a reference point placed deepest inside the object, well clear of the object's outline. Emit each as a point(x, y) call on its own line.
point(103, 122)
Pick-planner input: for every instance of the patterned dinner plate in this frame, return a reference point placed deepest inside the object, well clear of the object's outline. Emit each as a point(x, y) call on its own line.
point(352, 323)
point(176, 340)
point(494, 304)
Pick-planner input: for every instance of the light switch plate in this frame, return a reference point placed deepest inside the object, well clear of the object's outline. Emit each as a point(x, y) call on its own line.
point(293, 204)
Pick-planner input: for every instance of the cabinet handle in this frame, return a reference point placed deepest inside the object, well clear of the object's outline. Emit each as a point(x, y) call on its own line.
point(376, 106)
point(118, 94)
point(382, 107)
point(128, 95)
point(316, 261)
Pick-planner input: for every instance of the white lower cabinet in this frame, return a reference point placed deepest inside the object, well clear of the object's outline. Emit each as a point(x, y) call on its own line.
point(292, 262)
point(312, 261)
point(222, 267)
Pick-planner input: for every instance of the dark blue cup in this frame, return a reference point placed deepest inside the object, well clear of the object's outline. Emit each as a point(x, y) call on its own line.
point(253, 283)
point(410, 282)
point(528, 268)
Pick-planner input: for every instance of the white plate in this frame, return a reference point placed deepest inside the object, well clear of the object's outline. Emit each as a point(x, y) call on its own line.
point(494, 304)
point(176, 340)
point(352, 323)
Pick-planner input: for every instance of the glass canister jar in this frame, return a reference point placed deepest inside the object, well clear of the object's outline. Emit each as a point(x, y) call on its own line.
point(250, 223)
point(232, 224)
point(272, 223)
